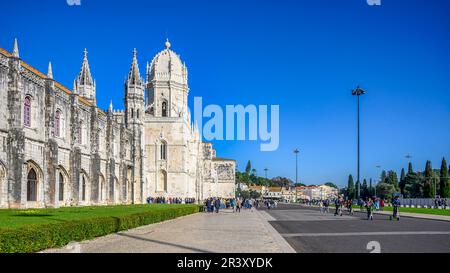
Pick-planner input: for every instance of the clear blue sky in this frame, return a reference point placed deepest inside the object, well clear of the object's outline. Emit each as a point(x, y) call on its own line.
point(305, 56)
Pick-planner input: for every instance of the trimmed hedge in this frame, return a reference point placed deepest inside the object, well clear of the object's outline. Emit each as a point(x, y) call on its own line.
point(39, 237)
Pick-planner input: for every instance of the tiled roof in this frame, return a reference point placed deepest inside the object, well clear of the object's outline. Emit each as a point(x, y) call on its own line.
point(43, 76)
point(222, 159)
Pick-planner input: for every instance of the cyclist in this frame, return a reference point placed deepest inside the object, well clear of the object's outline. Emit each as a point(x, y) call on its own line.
point(350, 207)
point(338, 203)
point(370, 207)
point(396, 206)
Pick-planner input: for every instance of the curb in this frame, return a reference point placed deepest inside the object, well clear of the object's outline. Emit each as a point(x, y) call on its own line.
point(281, 242)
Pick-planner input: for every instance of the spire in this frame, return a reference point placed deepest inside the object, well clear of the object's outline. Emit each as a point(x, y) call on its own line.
point(168, 45)
point(147, 72)
point(50, 71)
point(85, 84)
point(110, 106)
point(85, 77)
point(74, 86)
point(16, 49)
point(134, 77)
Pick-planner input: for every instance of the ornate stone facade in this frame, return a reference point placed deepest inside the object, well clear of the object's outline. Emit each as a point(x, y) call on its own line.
point(57, 148)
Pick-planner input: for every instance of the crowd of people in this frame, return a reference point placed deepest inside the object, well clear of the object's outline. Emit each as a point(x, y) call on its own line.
point(369, 205)
point(236, 204)
point(170, 200)
point(440, 203)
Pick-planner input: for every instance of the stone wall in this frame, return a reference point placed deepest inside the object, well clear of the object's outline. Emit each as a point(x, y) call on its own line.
point(116, 153)
point(37, 146)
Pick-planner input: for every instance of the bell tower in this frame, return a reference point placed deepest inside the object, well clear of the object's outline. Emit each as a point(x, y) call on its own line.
point(134, 94)
point(167, 85)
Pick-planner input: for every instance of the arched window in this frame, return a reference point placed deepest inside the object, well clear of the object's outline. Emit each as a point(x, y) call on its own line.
point(163, 151)
point(137, 113)
point(164, 109)
point(32, 186)
point(83, 189)
point(27, 112)
point(61, 187)
point(132, 113)
point(57, 124)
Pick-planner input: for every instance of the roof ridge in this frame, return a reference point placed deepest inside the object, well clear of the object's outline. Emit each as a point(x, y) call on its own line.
point(43, 76)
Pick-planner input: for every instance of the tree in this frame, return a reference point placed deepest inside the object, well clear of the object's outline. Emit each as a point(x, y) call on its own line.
point(402, 181)
point(444, 180)
point(410, 168)
point(282, 182)
point(385, 190)
point(371, 192)
point(255, 194)
point(357, 190)
point(428, 186)
point(332, 185)
point(365, 189)
point(413, 184)
point(248, 168)
point(383, 177)
point(243, 194)
point(392, 179)
point(350, 188)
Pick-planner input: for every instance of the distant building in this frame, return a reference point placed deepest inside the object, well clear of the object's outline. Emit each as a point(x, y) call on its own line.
point(317, 192)
point(273, 193)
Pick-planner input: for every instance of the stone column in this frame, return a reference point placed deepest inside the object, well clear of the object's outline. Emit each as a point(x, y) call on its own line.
point(16, 136)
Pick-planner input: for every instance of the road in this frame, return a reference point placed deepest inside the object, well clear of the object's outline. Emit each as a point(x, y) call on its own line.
point(309, 231)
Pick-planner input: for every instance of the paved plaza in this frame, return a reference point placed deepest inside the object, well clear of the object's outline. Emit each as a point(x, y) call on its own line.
point(286, 229)
point(309, 231)
point(226, 232)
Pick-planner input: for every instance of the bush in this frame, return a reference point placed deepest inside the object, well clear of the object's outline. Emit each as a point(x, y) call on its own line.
point(35, 238)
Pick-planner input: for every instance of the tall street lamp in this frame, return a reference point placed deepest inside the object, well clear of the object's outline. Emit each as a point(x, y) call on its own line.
point(379, 169)
point(296, 152)
point(358, 92)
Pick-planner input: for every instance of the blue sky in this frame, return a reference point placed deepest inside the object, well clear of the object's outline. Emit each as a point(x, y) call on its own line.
point(305, 56)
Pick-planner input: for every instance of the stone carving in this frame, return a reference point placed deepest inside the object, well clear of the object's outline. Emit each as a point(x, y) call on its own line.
point(116, 146)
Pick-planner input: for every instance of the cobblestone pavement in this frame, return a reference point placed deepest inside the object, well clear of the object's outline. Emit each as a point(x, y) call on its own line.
point(226, 232)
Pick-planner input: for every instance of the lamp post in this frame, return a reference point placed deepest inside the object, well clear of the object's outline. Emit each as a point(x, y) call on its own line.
point(265, 170)
point(296, 152)
point(358, 92)
point(379, 168)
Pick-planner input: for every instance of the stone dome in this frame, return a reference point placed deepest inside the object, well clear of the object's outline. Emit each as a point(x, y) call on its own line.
point(167, 66)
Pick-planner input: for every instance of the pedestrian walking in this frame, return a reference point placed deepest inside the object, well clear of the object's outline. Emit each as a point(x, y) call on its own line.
point(369, 207)
point(217, 205)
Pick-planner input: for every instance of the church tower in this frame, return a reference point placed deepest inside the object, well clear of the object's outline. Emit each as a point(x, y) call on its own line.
point(84, 83)
point(134, 117)
point(134, 95)
point(167, 84)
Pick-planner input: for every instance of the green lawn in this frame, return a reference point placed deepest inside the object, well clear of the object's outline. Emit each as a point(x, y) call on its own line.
point(24, 231)
point(422, 211)
point(13, 219)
